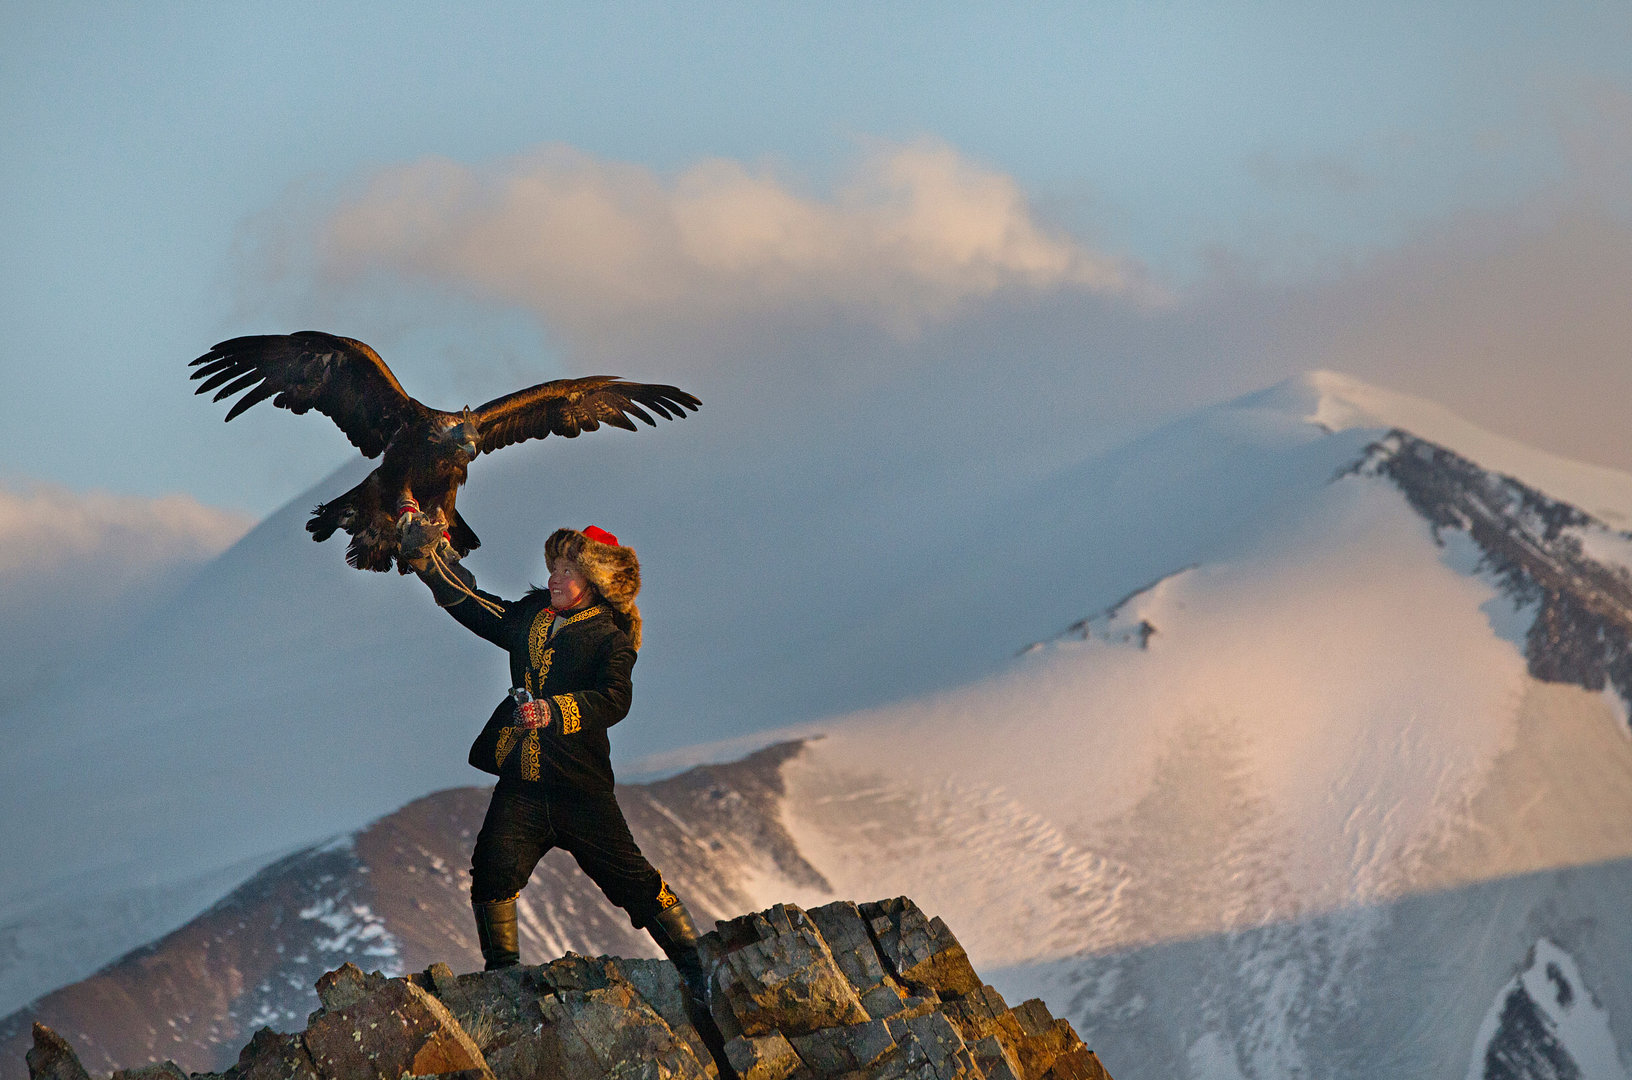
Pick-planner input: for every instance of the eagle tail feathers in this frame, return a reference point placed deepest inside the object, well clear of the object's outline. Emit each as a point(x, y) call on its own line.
point(324, 521)
point(462, 536)
point(362, 555)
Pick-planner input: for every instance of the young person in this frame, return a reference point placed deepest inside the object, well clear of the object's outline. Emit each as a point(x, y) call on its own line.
point(571, 648)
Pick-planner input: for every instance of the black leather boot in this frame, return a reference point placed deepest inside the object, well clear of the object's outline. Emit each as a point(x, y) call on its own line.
point(496, 930)
point(676, 935)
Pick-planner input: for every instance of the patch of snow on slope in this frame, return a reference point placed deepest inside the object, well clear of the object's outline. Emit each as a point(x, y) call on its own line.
point(354, 929)
point(1015, 888)
point(1510, 617)
point(1601, 545)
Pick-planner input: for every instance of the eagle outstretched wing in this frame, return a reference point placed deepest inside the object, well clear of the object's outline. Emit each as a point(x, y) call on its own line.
point(567, 406)
point(340, 377)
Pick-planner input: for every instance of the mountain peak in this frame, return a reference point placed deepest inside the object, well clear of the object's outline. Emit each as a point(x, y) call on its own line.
point(1338, 402)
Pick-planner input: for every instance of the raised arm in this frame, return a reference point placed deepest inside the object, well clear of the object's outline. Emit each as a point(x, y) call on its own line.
point(452, 585)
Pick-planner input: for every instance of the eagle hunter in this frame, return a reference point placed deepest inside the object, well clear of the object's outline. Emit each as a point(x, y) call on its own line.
point(427, 451)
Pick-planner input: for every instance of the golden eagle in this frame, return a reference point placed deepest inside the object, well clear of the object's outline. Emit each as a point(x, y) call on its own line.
point(427, 452)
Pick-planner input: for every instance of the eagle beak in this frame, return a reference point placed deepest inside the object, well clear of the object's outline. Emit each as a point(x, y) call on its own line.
point(469, 448)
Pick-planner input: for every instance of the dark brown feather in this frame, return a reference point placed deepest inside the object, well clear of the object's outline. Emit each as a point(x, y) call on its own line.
point(340, 377)
point(566, 407)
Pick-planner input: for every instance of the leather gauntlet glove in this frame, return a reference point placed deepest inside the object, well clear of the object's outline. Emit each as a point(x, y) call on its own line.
point(419, 538)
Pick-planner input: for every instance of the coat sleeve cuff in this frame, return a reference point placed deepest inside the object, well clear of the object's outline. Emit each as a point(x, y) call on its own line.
point(445, 592)
point(566, 707)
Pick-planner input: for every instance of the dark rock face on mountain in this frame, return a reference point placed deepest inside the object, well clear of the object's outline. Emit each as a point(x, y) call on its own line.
point(1533, 545)
point(869, 992)
point(1525, 1047)
point(395, 895)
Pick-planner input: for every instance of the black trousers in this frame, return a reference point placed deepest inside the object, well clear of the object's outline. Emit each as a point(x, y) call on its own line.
point(521, 827)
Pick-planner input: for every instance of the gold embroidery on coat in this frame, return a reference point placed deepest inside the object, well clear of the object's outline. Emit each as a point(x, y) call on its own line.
point(507, 742)
point(587, 613)
point(568, 705)
point(529, 756)
point(665, 896)
point(538, 634)
point(539, 655)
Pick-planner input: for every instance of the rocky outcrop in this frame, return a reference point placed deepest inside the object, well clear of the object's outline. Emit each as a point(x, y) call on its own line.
point(863, 992)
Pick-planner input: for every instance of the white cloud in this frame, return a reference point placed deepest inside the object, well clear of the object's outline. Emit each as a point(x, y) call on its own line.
point(49, 530)
point(608, 250)
point(980, 334)
point(76, 565)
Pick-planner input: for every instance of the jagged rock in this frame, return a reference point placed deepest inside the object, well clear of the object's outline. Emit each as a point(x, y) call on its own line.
point(1026, 1040)
point(856, 953)
point(1043, 1046)
point(346, 985)
point(843, 992)
point(574, 1017)
point(52, 1058)
point(775, 973)
point(274, 1056)
point(659, 984)
point(992, 1059)
point(921, 951)
point(586, 1020)
point(158, 1070)
point(396, 1029)
point(609, 1032)
point(833, 1051)
point(766, 1057)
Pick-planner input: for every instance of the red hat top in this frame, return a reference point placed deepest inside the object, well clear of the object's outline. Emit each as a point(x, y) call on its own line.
point(600, 536)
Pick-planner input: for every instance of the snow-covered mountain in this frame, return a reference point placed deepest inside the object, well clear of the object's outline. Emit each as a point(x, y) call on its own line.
point(1320, 757)
point(1307, 807)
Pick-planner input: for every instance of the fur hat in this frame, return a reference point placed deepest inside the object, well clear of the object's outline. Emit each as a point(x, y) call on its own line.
point(613, 571)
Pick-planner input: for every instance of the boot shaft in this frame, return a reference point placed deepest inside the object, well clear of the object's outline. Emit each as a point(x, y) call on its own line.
point(676, 935)
point(496, 933)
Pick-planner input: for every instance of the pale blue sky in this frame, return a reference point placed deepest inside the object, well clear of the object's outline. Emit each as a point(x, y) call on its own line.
point(150, 148)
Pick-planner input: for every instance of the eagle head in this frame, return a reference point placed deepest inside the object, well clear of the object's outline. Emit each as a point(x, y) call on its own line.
point(458, 435)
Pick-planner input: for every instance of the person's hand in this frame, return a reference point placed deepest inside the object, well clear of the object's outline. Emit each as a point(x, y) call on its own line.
point(418, 538)
point(533, 714)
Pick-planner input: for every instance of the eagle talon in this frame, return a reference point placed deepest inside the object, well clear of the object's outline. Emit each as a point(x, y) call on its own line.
point(420, 537)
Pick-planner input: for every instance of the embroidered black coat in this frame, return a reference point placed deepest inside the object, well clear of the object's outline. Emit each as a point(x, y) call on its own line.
point(582, 670)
